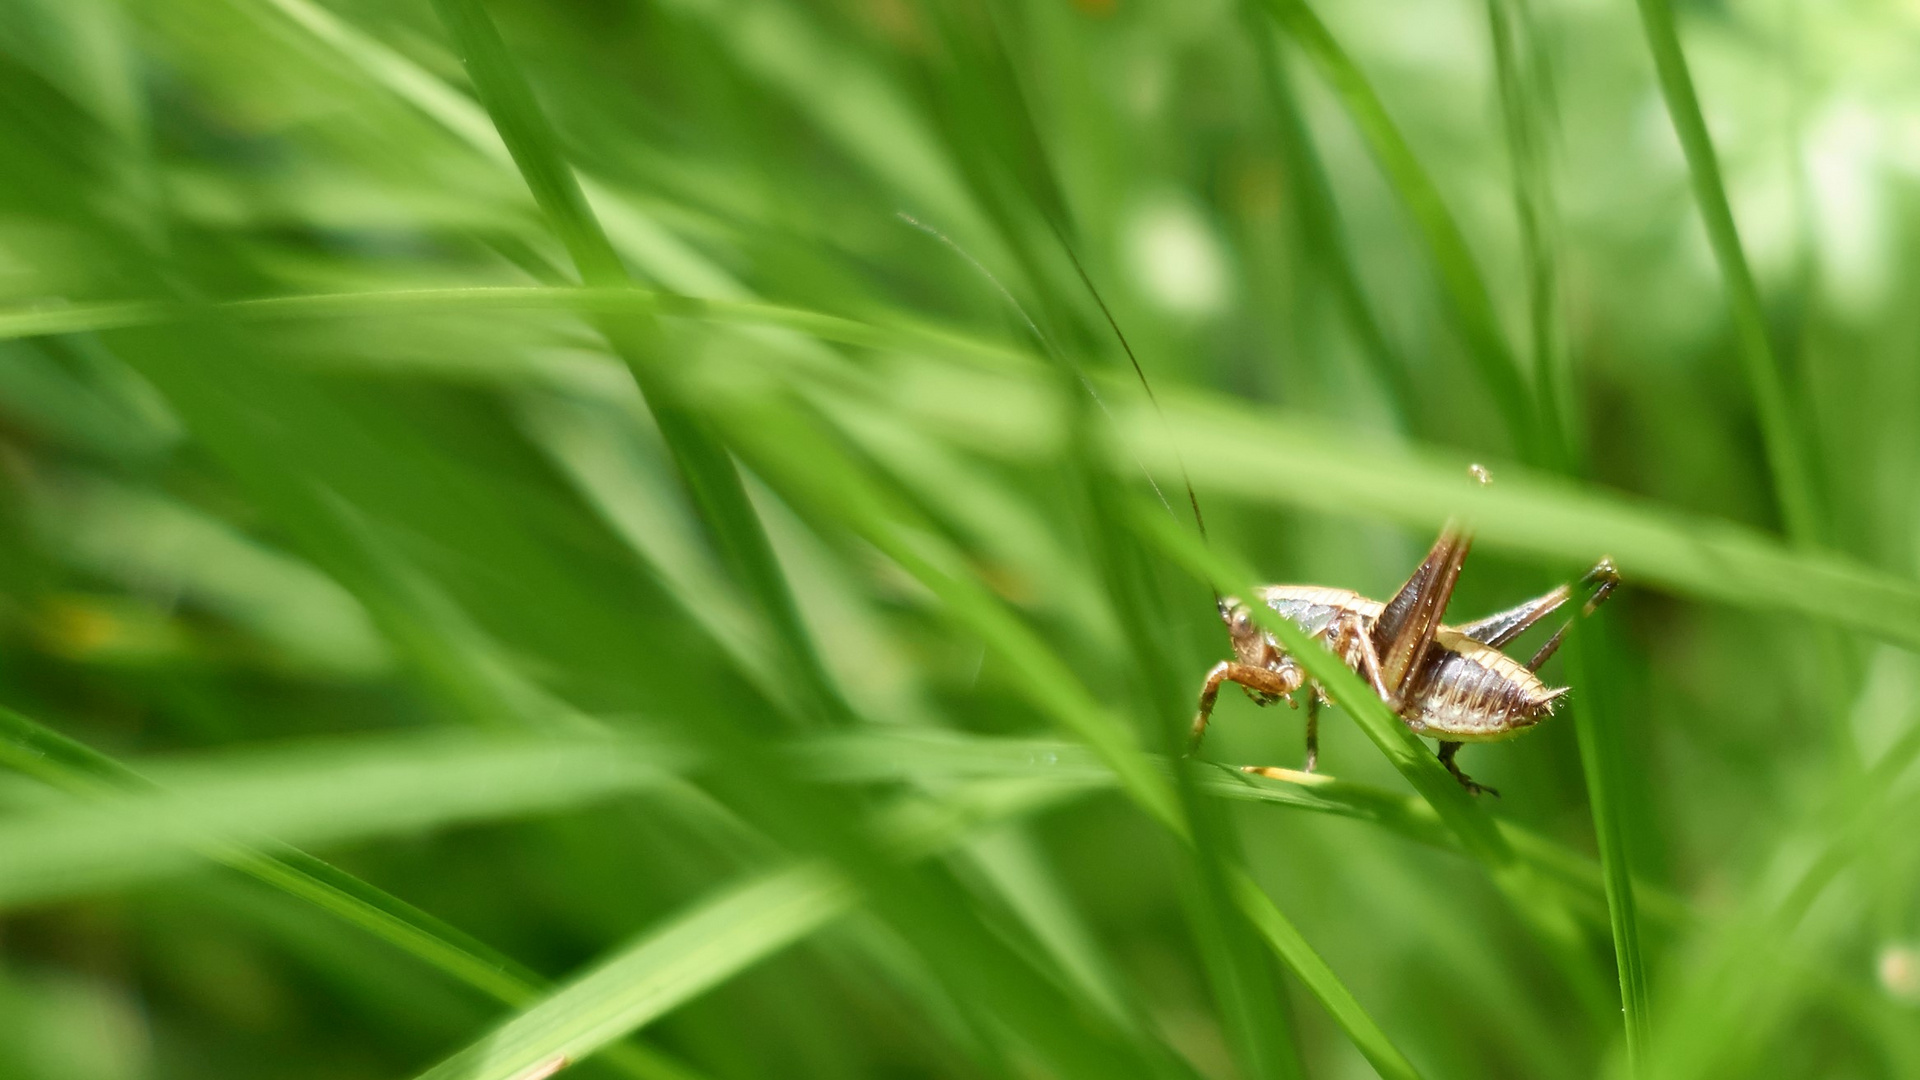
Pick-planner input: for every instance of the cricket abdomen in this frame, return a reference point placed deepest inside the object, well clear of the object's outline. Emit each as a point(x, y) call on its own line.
point(1470, 692)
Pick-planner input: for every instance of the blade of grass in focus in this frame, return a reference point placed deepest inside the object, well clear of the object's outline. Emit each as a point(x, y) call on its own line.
point(928, 756)
point(1522, 70)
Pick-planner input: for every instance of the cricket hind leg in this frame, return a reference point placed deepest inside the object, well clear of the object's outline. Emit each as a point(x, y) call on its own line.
point(1313, 730)
point(1447, 750)
point(1499, 629)
point(1255, 680)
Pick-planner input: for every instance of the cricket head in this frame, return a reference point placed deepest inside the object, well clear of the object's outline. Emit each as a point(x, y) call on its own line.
point(1256, 648)
point(1250, 643)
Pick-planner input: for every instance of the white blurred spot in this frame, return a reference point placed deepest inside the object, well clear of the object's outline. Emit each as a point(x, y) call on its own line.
point(1175, 257)
point(1899, 971)
point(1843, 162)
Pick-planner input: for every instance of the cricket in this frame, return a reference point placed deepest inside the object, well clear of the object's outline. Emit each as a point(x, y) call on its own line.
point(1452, 683)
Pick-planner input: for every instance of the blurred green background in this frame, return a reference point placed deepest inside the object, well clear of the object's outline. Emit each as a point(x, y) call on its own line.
point(656, 496)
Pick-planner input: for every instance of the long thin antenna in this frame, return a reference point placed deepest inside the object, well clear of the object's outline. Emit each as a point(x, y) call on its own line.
point(1140, 373)
point(1054, 351)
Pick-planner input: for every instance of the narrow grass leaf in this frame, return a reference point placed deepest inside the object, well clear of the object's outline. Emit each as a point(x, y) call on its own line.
point(705, 466)
point(1519, 61)
point(887, 756)
point(794, 457)
point(1793, 478)
point(398, 785)
point(1460, 275)
point(1235, 451)
point(689, 954)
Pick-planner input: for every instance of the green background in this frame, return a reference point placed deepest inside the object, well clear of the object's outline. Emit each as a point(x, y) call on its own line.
point(658, 496)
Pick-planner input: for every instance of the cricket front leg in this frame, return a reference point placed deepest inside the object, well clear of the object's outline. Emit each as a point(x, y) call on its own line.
point(1258, 679)
point(1447, 750)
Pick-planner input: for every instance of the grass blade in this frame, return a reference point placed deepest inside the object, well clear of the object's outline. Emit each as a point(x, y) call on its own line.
point(1460, 275)
point(126, 838)
point(1793, 479)
point(705, 467)
point(1235, 452)
point(794, 458)
point(669, 965)
point(1520, 63)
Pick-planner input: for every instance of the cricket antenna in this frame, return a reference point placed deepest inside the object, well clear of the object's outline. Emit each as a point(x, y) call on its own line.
point(1060, 357)
point(1140, 373)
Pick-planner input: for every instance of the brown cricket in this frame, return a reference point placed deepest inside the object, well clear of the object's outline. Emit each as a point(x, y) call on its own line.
point(1450, 682)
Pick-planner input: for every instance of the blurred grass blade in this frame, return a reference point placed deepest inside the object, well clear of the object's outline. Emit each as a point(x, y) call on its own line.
point(1519, 62)
point(1748, 974)
point(887, 756)
point(792, 456)
point(708, 471)
point(1317, 217)
point(1793, 479)
point(1285, 460)
point(625, 300)
point(38, 751)
point(670, 964)
point(1459, 274)
point(1603, 761)
point(530, 139)
point(294, 796)
point(1286, 941)
point(719, 937)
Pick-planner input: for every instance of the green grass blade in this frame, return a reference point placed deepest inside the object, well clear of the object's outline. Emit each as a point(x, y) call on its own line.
point(887, 756)
point(38, 751)
point(1317, 217)
point(1235, 452)
point(1285, 940)
point(1602, 760)
point(531, 140)
point(1459, 273)
point(1793, 478)
point(708, 471)
point(123, 839)
point(1520, 64)
point(670, 964)
point(793, 458)
point(721, 936)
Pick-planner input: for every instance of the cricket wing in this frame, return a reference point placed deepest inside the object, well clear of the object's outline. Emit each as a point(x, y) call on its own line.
point(1404, 631)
